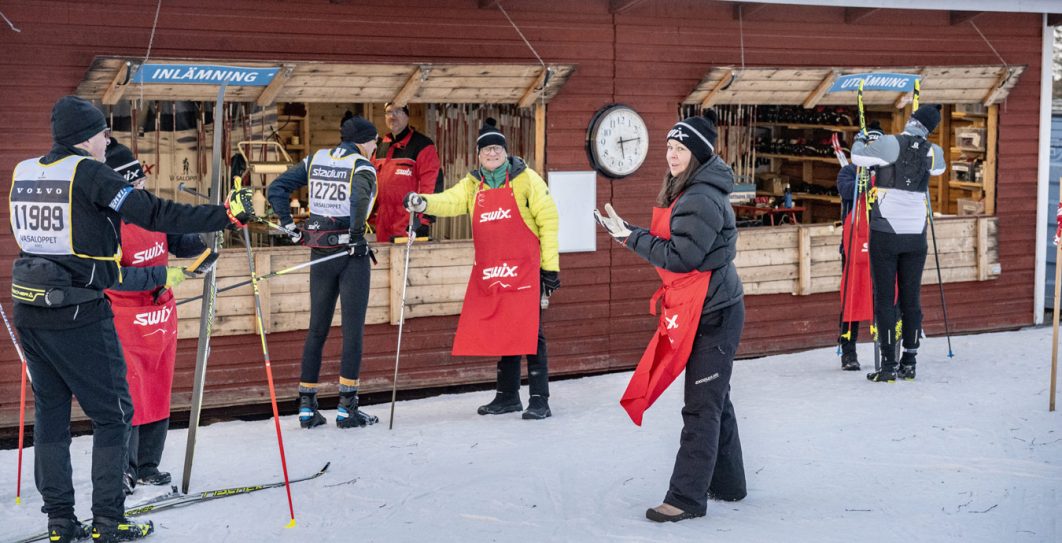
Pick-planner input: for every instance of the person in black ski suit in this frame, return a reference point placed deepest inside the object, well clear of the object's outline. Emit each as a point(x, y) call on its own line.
point(703, 238)
point(342, 187)
point(65, 212)
point(898, 246)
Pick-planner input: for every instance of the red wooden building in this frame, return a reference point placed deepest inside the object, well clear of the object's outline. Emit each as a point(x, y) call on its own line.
point(651, 55)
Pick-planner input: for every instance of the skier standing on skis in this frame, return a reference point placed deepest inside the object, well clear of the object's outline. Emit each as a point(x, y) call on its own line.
point(692, 242)
point(898, 245)
point(65, 212)
point(342, 187)
point(145, 317)
point(855, 280)
point(514, 229)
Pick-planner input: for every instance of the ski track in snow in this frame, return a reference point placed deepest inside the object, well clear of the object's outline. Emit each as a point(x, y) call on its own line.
point(967, 453)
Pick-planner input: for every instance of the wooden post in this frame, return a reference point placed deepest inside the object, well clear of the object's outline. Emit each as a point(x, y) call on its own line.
point(540, 139)
point(804, 260)
point(982, 249)
point(989, 173)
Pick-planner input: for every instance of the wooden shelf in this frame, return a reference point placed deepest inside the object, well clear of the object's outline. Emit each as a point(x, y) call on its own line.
point(958, 115)
point(966, 185)
point(830, 127)
point(817, 197)
point(829, 160)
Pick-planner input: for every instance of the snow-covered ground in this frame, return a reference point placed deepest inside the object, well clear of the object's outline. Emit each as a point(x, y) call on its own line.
point(968, 453)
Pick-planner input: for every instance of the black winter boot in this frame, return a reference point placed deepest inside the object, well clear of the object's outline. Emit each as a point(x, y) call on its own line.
point(907, 366)
point(349, 416)
point(309, 416)
point(850, 361)
point(67, 530)
point(109, 531)
point(537, 408)
point(503, 402)
point(152, 476)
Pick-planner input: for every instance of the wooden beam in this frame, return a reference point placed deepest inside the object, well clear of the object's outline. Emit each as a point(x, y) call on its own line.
point(269, 94)
point(621, 6)
point(412, 86)
point(960, 17)
point(988, 173)
point(714, 93)
point(536, 88)
point(998, 88)
point(854, 15)
point(117, 86)
point(1054, 19)
point(744, 10)
point(813, 99)
point(540, 139)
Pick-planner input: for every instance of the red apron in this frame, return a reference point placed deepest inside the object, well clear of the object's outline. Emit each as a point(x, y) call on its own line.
point(682, 296)
point(146, 328)
point(856, 283)
point(501, 310)
point(395, 178)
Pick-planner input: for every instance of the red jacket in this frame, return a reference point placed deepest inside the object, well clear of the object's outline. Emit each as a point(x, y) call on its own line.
point(405, 163)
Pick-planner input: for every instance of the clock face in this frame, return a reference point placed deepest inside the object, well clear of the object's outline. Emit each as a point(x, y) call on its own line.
point(618, 141)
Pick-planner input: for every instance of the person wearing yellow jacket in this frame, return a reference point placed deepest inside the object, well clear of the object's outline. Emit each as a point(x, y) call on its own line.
point(514, 231)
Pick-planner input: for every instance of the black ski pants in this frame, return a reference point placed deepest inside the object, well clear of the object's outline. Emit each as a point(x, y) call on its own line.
point(346, 279)
point(709, 455)
point(897, 260)
point(85, 362)
point(537, 370)
point(146, 442)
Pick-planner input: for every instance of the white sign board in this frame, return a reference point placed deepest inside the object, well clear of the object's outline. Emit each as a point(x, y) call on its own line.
point(576, 197)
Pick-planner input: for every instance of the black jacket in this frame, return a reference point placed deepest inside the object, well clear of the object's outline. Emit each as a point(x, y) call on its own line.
point(100, 200)
point(703, 235)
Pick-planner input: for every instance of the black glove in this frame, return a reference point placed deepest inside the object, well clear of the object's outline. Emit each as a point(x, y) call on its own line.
point(359, 248)
point(423, 230)
point(550, 281)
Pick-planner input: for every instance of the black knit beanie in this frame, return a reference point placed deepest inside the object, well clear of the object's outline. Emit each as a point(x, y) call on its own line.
point(928, 115)
point(357, 129)
point(489, 135)
point(698, 134)
point(76, 120)
point(121, 160)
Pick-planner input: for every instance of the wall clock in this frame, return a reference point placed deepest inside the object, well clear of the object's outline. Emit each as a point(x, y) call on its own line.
point(617, 141)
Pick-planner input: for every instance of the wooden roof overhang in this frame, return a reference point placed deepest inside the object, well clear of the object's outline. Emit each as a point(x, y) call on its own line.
point(984, 84)
point(109, 80)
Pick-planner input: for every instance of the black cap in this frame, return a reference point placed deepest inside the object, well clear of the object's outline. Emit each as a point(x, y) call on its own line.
point(121, 160)
point(76, 120)
point(698, 134)
point(357, 129)
point(490, 135)
point(928, 115)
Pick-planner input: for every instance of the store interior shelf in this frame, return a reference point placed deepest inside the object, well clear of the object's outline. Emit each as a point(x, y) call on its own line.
point(828, 160)
point(830, 127)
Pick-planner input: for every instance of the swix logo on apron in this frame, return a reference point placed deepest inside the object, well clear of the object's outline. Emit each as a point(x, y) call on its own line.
point(682, 296)
point(147, 328)
point(501, 309)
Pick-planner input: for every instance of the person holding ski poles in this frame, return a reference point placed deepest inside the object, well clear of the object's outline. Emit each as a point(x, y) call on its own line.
point(856, 290)
point(342, 188)
point(692, 242)
point(898, 245)
point(65, 212)
point(145, 317)
point(517, 263)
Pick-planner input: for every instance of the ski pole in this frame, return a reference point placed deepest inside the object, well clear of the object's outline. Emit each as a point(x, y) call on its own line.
point(21, 405)
point(268, 366)
point(940, 281)
point(268, 276)
point(184, 188)
point(873, 285)
point(401, 316)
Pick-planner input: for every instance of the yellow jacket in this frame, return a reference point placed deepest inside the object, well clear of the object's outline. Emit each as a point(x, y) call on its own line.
point(537, 207)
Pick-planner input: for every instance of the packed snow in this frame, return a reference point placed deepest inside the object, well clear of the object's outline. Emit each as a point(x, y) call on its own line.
point(967, 453)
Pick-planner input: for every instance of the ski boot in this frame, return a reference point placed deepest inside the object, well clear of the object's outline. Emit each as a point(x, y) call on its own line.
point(850, 362)
point(537, 408)
point(109, 531)
point(349, 416)
point(309, 416)
point(128, 482)
point(882, 376)
point(503, 402)
point(907, 366)
point(152, 476)
point(67, 530)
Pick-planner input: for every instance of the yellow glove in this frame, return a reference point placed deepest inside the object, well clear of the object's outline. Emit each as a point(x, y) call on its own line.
point(239, 204)
point(174, 276)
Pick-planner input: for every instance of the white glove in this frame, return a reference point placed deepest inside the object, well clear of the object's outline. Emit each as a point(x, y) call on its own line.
point(415, 202)
point(618, 228)
point(293, 232)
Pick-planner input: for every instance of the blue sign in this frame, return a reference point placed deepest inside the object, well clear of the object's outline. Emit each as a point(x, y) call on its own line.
point(875, 82)
point(203, 74)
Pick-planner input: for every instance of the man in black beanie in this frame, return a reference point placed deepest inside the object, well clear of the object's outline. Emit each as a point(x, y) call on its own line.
point(898, 245)
point(66, 208)
point(342, 188)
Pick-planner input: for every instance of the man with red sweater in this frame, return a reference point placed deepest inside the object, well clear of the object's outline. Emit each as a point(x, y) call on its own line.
point(406, 161)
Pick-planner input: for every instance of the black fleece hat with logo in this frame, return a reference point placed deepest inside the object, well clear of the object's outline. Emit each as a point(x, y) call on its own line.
point(75, 120)
point(698, 134)
point(121, 160)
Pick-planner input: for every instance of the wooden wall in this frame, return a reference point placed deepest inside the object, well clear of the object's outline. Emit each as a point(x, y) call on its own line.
point(649, 57)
